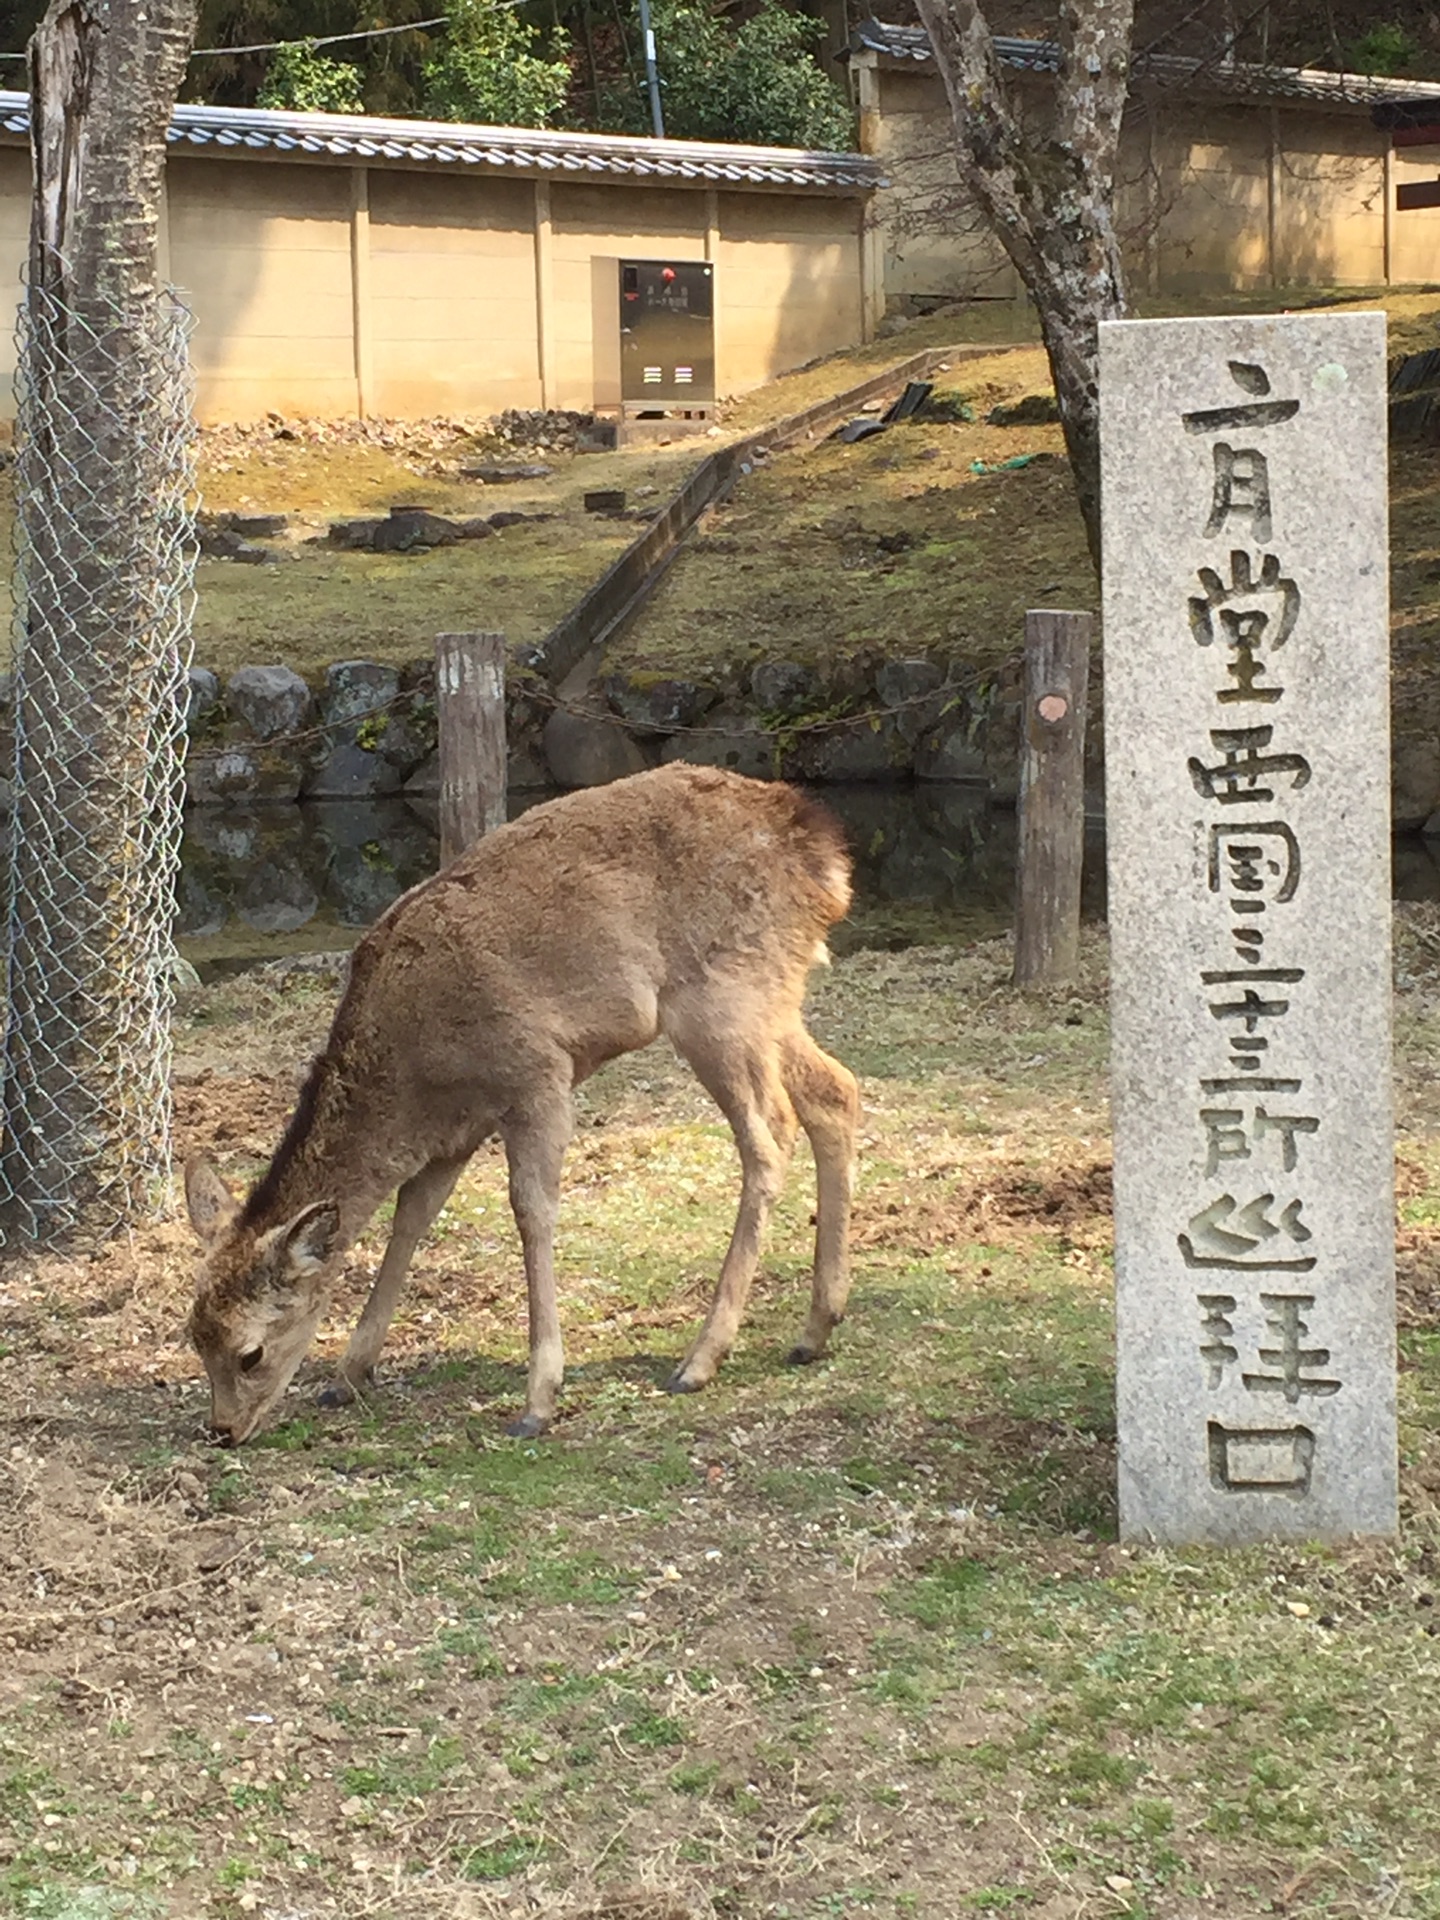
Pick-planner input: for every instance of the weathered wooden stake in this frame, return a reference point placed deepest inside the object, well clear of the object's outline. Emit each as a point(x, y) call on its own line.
point(1052, 797)
point(470, 700)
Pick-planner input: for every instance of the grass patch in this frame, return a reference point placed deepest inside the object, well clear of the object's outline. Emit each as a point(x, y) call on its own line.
point(854, 1639)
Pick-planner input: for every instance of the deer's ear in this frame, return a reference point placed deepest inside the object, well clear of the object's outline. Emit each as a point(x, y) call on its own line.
point(302, 1247)
point(211, 1204)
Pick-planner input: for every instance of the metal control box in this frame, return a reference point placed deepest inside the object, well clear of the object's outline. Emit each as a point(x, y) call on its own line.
point(667, 335)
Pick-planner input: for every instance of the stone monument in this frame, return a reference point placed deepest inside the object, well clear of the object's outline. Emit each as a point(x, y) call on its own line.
point(1247, 797)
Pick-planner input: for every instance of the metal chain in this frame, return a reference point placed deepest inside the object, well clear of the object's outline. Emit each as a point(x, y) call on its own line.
point(401, 703)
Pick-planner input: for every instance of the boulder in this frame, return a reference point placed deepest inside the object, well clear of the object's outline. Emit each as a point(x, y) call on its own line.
point(353, 690)
point(652, 704)
point(199, 912)
point(527, 768)
point(363, 883)
point(732, 738)
point(202, 692)
point(906, 686)
point(785, 687)
point(353, 535)
point(860, 751)
point(241, 775)
point(950, 751)
point(230, 836)
point(589, 749)
point(424, 782)
point(269, 701)
point(409, 527)
point(475, 529)
point(217, 542)
point(369, 744)
point(496, 476)
point(499, 521)
point(255, 526)
point(349, 772)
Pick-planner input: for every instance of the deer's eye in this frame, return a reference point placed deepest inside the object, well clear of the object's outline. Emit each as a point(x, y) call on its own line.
point(249, 1361)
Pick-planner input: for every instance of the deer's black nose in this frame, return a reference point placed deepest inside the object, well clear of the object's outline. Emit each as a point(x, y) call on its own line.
point(222, 1436)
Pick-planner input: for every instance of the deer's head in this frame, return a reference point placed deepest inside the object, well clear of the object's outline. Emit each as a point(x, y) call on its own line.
point(258, 1299)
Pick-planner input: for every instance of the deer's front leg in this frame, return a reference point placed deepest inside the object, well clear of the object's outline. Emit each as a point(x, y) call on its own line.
point(535, 1145)
point(416, 1207)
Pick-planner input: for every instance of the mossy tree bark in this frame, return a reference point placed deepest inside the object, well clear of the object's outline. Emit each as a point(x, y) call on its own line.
point(99, 534)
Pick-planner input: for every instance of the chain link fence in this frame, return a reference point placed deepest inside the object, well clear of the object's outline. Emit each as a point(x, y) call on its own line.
point(104, 480)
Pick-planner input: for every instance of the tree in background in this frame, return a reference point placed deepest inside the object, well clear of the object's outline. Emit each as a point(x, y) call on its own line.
point(762, 58)
point(1048, 191)
point(489, 68)
point(724, 77)
point(309, 82)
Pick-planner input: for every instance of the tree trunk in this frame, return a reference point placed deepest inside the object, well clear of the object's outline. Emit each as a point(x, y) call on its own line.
point(1049, 195)
point(102, 578)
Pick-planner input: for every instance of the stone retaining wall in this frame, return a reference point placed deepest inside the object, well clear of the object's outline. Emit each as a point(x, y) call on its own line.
point(367, 731)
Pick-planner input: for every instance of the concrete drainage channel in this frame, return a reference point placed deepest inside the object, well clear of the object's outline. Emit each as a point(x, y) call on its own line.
point(569, 656)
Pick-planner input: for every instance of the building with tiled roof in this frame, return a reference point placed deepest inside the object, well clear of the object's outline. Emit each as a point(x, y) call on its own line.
point(1232, 175)
point(340, 263)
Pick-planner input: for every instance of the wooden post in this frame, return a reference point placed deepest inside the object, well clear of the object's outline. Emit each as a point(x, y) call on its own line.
point(1273, 208)
point(362, 319)
point(544, 296)
point(470, 700)
point(1052, 797)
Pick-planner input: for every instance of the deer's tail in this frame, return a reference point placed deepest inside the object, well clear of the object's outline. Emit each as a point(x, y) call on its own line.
point(824, 852)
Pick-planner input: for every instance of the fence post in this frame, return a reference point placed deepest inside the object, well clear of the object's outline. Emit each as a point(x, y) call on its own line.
point(470, 703)
point(1052, 797)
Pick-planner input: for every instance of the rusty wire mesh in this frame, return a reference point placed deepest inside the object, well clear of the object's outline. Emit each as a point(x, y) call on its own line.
point(104, 591)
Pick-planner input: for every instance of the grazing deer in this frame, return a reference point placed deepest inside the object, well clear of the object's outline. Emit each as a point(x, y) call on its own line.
point(686, 901)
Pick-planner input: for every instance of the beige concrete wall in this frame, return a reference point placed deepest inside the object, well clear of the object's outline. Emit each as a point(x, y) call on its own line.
point(1203, 197)
point(1415, 234)
point(452, 295)
point(934, 240)
point(606, 223)
point(787, 276)
point(790, 284)
point(321, 288)
point(1210, 193)
point(262, 252)
point(1330, 200)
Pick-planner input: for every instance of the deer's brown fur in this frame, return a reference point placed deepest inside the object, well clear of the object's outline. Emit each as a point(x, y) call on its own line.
point(687, 901)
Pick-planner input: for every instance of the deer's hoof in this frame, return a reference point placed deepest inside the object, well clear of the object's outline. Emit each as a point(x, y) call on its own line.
point(680, 1382)
point(801, 1357)
point(527, 1426)
point(339, 1393)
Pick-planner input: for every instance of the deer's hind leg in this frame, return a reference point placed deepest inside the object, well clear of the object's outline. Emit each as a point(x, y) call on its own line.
point(744, 1078)
point(827, 1099)
point(416, 1206)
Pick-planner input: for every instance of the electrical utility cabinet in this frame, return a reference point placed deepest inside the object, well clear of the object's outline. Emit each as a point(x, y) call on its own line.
point(667, 336)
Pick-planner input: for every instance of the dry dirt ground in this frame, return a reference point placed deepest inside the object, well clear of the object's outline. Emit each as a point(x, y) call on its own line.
point(855, 1640)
